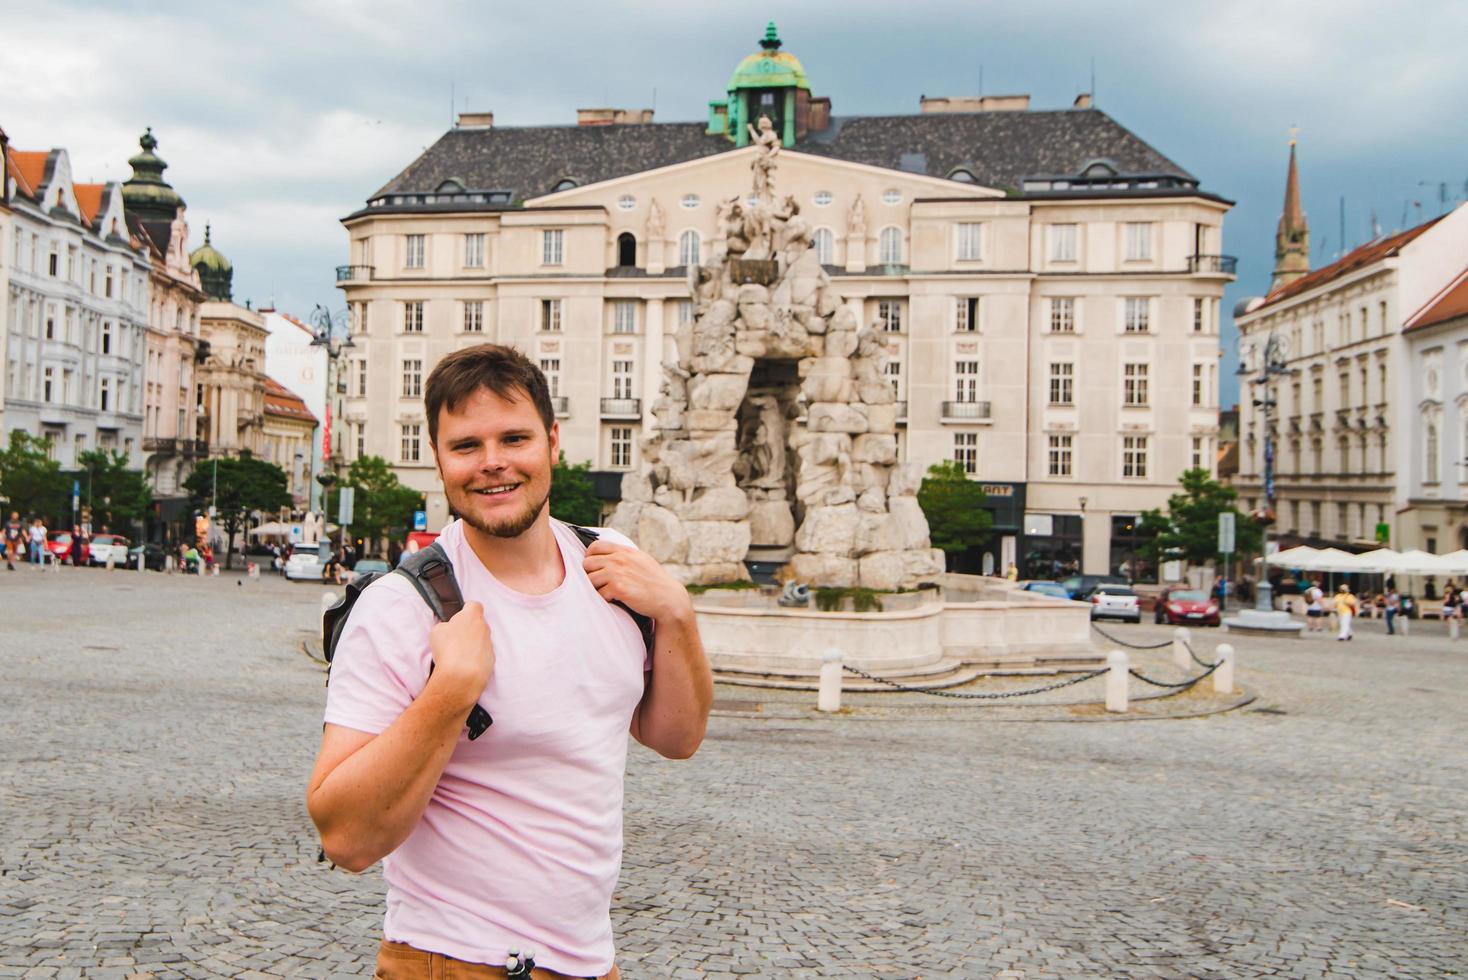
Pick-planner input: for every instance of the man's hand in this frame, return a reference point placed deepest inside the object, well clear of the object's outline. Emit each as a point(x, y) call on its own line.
point(633, 577)
point(463, 657)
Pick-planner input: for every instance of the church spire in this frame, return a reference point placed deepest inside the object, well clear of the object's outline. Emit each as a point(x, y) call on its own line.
point(1292, 240)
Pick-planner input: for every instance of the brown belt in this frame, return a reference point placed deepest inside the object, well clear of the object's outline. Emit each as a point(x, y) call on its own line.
point(399, 961)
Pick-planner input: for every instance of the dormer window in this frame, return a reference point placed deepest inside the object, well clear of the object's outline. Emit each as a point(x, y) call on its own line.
point(963, 176)
point(565, 184)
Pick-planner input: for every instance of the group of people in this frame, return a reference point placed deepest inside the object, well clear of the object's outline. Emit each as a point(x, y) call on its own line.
point(27, 542)
point(1346, 606)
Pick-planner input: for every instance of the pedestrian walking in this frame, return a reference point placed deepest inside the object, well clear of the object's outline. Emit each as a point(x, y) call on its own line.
point(512, 842)
point(1450, 604)
point(1393, 606)
point(14, 540)
point(1315, 607)
point(38, 544)
point(1345, 610)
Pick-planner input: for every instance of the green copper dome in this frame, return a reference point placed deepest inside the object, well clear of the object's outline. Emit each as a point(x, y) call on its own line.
point(146, 193)
point(769, 67)
point(216, 274)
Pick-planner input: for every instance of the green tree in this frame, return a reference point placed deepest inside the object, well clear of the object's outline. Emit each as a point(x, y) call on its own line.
point(119, 497)
point(573, 496)
point(238, 488)
point(30, 480)
point(1189, 530)
point(380, 503)
point(954, 507)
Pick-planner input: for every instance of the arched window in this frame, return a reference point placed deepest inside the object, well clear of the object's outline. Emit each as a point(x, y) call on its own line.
point(626, 250)
point(1431, 471)
point(688, 248)
point(962, 176)
point(565, 184)
point(890, 246)
point(825, 245)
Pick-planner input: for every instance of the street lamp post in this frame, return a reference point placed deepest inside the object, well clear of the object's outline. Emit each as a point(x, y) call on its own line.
point(1270, 358)
point(334, 336)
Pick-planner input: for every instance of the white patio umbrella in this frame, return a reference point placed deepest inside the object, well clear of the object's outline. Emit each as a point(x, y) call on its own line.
point(1334, 560)
point(1380, 561)
point(1457, 561)
point(1295, 557)
point(1421, 563)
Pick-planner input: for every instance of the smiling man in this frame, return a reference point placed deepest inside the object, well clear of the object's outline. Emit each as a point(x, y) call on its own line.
point(511, 842)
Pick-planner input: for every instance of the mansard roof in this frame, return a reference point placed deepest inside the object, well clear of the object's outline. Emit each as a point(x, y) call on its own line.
point(1044, 153)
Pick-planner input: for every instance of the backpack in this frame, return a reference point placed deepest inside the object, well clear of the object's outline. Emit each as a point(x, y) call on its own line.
point(432, 575)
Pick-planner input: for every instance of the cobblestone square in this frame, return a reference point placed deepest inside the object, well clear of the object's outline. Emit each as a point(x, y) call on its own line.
point(158, 731)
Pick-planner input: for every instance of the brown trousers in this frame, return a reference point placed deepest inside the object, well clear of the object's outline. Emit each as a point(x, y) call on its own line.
point(399, 961)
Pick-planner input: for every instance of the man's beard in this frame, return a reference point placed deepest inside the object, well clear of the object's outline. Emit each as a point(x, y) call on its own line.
point(508, 527)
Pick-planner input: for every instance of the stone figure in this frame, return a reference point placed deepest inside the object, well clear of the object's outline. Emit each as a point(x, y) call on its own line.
point(706, 286)
point(856, 219)
point(794, 231)
point(733, 225)
point(656, 226)
point(768, 142)
point(762, 451)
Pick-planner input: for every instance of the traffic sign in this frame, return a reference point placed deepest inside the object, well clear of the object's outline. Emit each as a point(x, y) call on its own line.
point(1226, 521)
point(344, 505)
point(420, 520)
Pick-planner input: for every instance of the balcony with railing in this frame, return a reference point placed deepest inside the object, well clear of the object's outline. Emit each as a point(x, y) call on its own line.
point(966, 412)
point(1216, 265)
point(621, 408)
point(353, 273)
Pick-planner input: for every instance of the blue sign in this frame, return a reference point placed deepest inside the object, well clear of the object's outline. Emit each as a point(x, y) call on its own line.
point(420, 520)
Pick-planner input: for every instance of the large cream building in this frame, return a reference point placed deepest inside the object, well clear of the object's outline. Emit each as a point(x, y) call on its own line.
point(1051, 284)
point(1357, 400)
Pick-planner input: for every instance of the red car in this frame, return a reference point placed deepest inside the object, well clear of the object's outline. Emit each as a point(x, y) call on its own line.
point(59, 544)
point(1184, 608)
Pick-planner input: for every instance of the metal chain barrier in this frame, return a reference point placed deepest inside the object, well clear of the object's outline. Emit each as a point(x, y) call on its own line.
point(975, 695)
point(1134, 646)
point(1197, 659)
point(1180, 684)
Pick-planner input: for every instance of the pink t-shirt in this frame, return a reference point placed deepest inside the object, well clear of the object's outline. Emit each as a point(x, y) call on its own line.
point(521, 844)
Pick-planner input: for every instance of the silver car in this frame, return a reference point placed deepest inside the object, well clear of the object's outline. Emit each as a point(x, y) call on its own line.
point(1116, 602)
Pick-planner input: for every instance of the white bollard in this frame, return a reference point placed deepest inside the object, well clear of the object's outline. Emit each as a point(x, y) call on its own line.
point(1452, 627)
point(1181, 638)
point(1223, 677)
point(111, 557)
point(1116, 680)
point(829, 698)
point(140, 559)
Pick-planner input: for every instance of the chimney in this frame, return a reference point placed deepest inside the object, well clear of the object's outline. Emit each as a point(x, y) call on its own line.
point(818, 114)
point(1083, 101)
point(475, 120)
point(613, 117)
point(971, 103)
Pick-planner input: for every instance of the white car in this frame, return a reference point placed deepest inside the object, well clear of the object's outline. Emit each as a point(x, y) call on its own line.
point(304, 566)
point(109, 545)
point(1115, 602)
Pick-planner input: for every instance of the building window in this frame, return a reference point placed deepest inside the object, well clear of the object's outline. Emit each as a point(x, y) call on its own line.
point(474, 316)
point(889, 311)
point(627, 250)
point(409, 442)
point(966, 381)
point(1198, 319)
point(50, 323)
point(1341, 519)
point(966, 314)
point(474, 249)
point(108, 283)
point(413, 251)
point(822, 198)
point(552, 246)
point(624, 316)
point(1431, 470)
point(621, 379)
point(1134, 457)
point(107, 337)
point(53, 264)
point(970, 241)
point(621, 446)
point(551, 368)
point(966, 451)
point(413, 316)
point(893, 370)
point(1136, 314)
point(1063, 314)
point(362, 378)
point(48, 379)
point(685, 312)
point(825, 245)
point(412, 377)
point(1345, 380)
point(1134, 384)
point(1138, 241)
point(550, 315)
point(688, 248)
point(1062, 381)
point(359, 430)
point(1060, 456)
point(1197, 453)
point(104, 395)
point(689, 201)
point(1198, 385)
point(1063, 243)
point(889, 246)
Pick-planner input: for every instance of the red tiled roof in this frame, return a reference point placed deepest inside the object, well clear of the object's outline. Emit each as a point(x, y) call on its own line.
point(1451, 302)
point(1356, 259)
point(280, 400)
point(89, 200)
point(28, 167)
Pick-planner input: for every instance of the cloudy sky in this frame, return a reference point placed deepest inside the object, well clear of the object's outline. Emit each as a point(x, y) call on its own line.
point(278, 117)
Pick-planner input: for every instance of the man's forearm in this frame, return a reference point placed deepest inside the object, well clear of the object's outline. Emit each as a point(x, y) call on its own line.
point(373, 799)
point(674, 712)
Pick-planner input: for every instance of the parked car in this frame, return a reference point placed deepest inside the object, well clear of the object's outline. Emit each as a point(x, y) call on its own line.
point(153, 557)
point(1115, 602)
point(366, 566)
point(304, 566)
point(1181, 607)
point(1054, 589)
point(1081, 586)
point(59, 544)
point(113, 546)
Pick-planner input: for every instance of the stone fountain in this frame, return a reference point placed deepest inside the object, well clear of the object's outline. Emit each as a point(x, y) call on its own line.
point(775, 434)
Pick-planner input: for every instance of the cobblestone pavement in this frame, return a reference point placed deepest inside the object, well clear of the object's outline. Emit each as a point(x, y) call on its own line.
point(157, 733)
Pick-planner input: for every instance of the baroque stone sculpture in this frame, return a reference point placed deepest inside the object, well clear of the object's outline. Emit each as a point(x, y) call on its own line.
point(775, 433)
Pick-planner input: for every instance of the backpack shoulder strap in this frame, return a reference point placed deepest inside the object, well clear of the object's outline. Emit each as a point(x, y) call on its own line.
point(645, 625)
point(432, 574)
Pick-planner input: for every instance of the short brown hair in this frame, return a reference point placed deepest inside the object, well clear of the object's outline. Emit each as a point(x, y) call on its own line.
point(502, 370)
